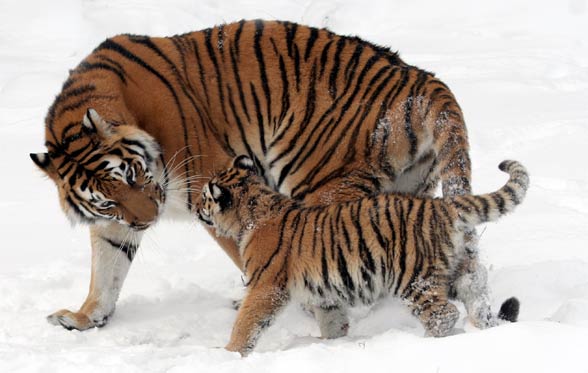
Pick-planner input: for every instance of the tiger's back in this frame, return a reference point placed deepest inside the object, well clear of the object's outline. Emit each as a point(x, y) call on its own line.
point(258, 88)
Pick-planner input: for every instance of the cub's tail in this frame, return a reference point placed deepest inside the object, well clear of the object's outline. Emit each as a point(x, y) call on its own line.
point(478, 209)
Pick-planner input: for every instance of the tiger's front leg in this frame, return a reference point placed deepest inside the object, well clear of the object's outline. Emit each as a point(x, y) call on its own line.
point(113, 249)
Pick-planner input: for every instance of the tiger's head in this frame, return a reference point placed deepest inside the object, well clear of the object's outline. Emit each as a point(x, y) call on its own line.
point(223, 194)
point(105, 172)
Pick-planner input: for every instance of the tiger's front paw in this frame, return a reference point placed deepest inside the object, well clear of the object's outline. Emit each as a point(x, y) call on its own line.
point(75, 320)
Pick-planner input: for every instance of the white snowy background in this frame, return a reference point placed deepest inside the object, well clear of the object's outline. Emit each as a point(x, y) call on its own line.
point(520, 72)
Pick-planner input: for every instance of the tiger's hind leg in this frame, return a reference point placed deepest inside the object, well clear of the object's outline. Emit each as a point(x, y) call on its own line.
point(430, 304)
point(470, 285)
point(113, 248)
point(257, 312)
point(471, 288)
point(333, 321)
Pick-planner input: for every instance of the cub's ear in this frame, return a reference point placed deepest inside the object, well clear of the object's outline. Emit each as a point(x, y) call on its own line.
point(43, 161)
point(93, 123)
point(221, 195)
point(245, 163)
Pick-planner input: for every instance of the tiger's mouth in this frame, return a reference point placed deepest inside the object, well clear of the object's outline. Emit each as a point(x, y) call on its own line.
point(204, 217)
point(139, 227)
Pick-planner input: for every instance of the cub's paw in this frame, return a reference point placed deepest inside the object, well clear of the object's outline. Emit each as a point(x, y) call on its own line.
point(75, 320)
point(442, 320)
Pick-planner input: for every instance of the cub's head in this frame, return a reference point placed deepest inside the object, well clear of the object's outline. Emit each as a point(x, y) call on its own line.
point(219, 205)
point(105, 172)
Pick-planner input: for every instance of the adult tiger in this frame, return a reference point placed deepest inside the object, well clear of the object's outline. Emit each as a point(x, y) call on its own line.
point(324, 117)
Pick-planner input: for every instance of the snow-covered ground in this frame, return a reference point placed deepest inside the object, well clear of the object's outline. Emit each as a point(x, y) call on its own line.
point(520, 72)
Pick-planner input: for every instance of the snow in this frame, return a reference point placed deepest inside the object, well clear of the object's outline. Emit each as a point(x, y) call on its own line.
point(520, 72)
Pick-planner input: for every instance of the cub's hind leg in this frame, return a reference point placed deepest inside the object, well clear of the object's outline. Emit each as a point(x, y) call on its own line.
point(113, 249)
point(257, 312)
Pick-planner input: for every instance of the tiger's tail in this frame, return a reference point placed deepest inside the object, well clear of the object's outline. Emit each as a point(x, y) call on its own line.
point(478, 209)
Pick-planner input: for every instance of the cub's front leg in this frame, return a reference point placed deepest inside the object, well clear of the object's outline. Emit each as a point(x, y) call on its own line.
point(257, 312)
point(113, 249)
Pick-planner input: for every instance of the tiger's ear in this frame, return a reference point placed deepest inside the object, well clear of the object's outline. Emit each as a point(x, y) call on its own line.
point(243, 162)
point(94, 124)
point(43, 161)
point(221, 195)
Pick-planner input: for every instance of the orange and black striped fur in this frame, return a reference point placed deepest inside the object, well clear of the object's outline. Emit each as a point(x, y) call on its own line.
point(142, 121)
point(347, 253)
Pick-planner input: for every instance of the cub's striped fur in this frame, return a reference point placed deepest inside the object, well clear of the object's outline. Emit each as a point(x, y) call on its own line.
point(326, 118)
point(348, 253)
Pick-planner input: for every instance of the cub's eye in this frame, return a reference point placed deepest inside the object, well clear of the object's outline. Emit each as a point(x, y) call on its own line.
point(131, 176)
point(105, 204)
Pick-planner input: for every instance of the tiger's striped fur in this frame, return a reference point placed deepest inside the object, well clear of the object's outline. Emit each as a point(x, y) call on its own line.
point(347, 253)
point(327, 118)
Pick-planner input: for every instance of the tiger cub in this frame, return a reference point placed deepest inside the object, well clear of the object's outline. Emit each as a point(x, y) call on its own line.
point(347, 253)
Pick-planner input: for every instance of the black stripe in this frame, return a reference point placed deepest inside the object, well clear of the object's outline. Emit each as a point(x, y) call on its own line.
point(310, 42)
point(260, 270)
point(239, 84)
point(374, 214)
point(285, 92)
point(219, 78)
point(412, 139)
point(324, 264)
point(364, 252)
point(84, 101)
point(343, 271)
point(301, 230)
point(66, 129)
point(297, 66)
point(352, 63)
point(418, 246)
point(126, 247)
point(261, 63)
point(315, 232)
point(342, 228)
point(201, 71)
point(511, 193)
point(499, 202)
point(399, 208)
point(291, 29)
point(260, 124)
point(91, 66)
point(238, 37)
point(335, 68)
point(324, 55)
